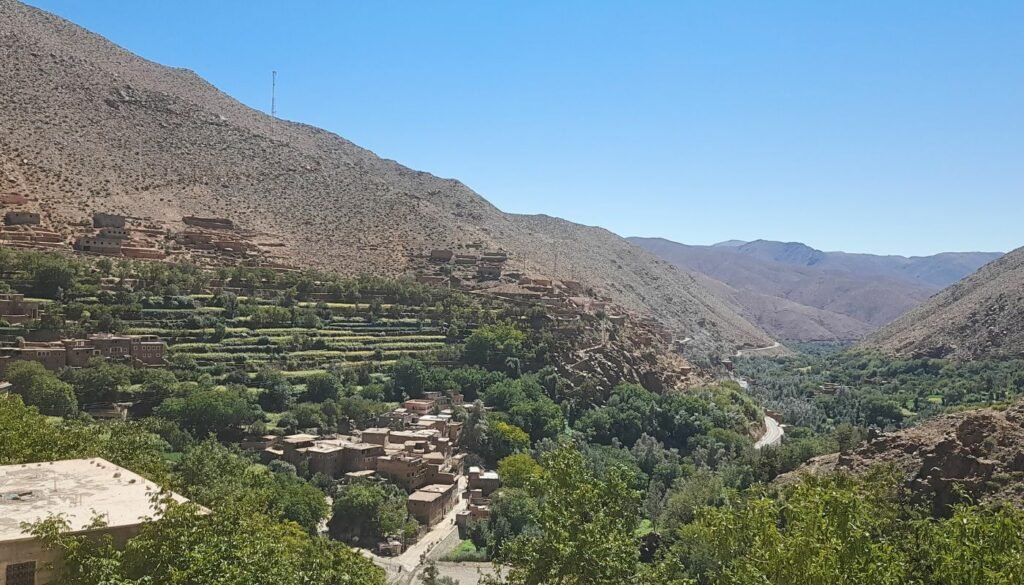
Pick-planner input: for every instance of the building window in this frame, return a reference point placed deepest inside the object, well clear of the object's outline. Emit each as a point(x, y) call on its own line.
point(21, 573)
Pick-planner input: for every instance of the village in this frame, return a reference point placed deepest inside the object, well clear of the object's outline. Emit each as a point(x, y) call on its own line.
point(413, 447)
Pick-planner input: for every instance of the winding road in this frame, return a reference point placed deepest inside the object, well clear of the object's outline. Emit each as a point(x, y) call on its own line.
point(739, 353)
point(773, 431)
point(772, 435)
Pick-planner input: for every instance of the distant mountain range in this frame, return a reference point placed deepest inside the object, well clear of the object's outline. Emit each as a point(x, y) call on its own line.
point(799, 293)
point(981, 316)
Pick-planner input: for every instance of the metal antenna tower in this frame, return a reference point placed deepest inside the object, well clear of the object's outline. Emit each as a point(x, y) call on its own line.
point(273, 93)
point(273, 103)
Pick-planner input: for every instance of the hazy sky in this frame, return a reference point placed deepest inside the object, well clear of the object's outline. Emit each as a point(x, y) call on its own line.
point(867, 126)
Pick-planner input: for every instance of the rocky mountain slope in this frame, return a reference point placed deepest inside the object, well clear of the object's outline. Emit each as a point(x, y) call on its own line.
point(796, 292)
point(979, 451)
point(86, 126)
point(981, 316)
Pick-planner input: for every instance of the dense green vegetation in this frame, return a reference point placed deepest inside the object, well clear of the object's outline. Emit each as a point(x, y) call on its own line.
point(875, 390)
point(612, 484)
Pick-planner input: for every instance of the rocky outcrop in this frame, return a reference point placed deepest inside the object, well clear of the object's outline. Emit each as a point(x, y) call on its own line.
point(969, 455)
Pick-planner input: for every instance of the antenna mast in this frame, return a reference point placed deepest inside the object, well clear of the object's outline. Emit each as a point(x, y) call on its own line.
point(273, 94)
point(273, 104)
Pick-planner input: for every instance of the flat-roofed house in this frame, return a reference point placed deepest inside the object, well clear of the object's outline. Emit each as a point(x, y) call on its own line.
point(80, 490)
point(52, 356)
point(485, 481)
point(99, 245)
point(407, 470)
point(430, 504)
point(21, 218)
point(15, 309)
point(420, 406)
point(377, 436)
point(107, 220)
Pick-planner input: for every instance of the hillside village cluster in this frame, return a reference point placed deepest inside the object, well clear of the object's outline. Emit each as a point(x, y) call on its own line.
point(139, 351)
point(413, 447)
point(204, 240)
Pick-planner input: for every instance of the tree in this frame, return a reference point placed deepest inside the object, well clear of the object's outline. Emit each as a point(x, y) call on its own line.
point(492, 345)
point(501, 439)
point(364, 510)
point(586, 528)
point(408, 378)
point(237, 545)
point(830, 529)
point(322, 387)
point(100, 381)
point(217, 410)
point(540, 418)
point(519, 470)
point(41, 388)
point(277, 397)
point(214, 475)
point(51, 275)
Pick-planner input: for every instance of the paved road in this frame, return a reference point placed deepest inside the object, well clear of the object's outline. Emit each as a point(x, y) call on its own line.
point(772, 435)
point(773, 430)
point(404, 568)
point(775, 345)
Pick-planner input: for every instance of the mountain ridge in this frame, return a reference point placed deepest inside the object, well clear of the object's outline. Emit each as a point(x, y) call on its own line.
point(88, 126)
point(799, 293)
point(979, 317)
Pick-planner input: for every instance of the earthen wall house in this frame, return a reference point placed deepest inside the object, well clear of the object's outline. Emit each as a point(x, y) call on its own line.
point(408, 471)
point(141, 351)
point(21, 218)
point(15, 309)
point(430, 504)
point(98, 245)
point(420, 406)
point(489, 271)
point(114, 233)
point(143, 253)
point(108, 220)
point(441, 255)
point(216, 223)
point(13, 199)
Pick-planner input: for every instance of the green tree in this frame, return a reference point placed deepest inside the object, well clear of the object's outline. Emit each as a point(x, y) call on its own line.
point(365, 510)
point(218, 410)
point(237, 545)
point(322, 387)
point(586, 528)
point(41, 388)
point(501, 439)
point(492, 345)
point(519, 470)
point(100, 381)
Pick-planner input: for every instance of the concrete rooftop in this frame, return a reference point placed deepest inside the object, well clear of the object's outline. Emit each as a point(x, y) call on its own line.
point(79, 489)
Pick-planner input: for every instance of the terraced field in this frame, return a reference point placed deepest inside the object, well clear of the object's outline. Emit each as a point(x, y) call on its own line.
point(203, 334)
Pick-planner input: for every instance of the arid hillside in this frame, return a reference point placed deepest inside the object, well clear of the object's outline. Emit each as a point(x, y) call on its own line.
point(977, 454)
point(795, 292)
point(86, 126)
point(981, 316)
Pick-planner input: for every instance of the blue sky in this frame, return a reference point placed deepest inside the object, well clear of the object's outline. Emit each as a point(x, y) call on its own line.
point(865, 126)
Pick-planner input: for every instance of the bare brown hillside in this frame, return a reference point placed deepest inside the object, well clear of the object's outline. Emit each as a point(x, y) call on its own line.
point(981, 316)
point(795, 292)
point(979, 452)
point(86, 126)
